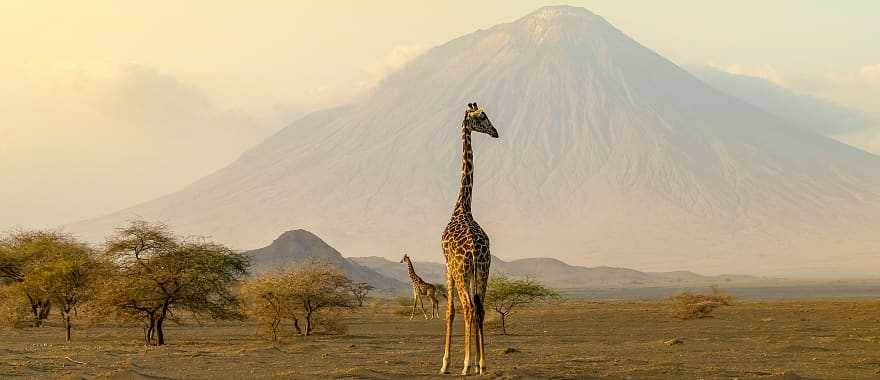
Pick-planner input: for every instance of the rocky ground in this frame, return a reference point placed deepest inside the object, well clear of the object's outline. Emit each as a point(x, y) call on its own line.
point(573, 339)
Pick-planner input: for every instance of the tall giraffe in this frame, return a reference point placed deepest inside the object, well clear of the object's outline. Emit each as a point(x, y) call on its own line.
point(421, 288)
point(466, 249)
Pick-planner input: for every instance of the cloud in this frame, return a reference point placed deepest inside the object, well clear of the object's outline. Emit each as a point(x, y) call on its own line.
point(393, 60)
point(73, 135)
point(369, 76)
point(870, 74)
point(867, 76)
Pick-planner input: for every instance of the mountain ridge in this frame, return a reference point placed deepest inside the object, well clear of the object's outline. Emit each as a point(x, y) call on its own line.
point(565, 276)
point(609, 155)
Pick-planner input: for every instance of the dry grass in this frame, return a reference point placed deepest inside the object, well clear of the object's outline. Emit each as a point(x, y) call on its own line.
point(569, 340)
point(687, 305)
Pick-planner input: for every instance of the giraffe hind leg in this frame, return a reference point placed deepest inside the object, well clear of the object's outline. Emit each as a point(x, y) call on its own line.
point(479, 317)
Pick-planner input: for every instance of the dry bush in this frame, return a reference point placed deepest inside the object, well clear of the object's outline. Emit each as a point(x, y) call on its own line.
point(402, 306)
point(687, 305)
point(13, 309)
point(331, 323)
point(493, 322)
point(302, 297)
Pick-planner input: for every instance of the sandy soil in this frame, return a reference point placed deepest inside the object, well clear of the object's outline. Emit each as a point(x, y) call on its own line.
point(576, 339)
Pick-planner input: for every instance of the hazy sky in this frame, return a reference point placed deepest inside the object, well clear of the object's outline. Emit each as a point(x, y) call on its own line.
point(105, 103)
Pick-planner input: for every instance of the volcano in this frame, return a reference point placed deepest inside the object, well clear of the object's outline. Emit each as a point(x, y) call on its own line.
point(609, 155)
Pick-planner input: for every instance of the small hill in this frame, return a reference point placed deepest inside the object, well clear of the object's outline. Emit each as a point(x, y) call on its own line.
point(558, 274)
point(300, 246)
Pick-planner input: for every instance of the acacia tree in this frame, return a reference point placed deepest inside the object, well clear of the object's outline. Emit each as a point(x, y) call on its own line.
point(360, 291)
point(504, 294)
point(297, 294)
point(47, 268)
point(159, 273)
point(20, 252)
point(319, 286)
point(267, 300)
point(68, 278)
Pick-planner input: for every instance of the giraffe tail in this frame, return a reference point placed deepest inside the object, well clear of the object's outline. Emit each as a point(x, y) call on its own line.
point(441, 290)
point(478, 305)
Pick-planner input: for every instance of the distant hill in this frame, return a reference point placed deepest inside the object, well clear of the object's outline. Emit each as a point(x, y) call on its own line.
point(301, 246)
point(558, 274)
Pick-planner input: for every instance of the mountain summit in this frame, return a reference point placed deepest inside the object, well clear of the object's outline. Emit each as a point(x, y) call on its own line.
point(609, 155)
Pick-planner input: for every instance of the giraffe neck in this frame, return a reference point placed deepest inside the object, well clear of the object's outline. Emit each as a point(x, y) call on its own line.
point(412, 273)
point(463, 205)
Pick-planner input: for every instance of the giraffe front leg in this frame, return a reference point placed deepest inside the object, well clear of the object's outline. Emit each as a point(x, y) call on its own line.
point(412, 313)
point(450, 316)
point(422, 303)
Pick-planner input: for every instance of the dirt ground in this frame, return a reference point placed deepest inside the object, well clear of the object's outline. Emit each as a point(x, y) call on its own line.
point(574, 339)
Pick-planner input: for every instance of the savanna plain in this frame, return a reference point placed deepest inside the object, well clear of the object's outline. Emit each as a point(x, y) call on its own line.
point(572, 338)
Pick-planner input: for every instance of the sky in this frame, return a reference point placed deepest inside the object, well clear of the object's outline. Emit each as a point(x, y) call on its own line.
point(105, 104)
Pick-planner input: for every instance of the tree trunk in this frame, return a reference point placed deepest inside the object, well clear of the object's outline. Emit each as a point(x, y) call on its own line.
point(308, 318)
point(503, 323)
point(275, 323)
point(160, 335)
point(40, 310)
point(45, 308)
point(35, 310)
point(296, 326)
point(67, 323)
point(151, 327)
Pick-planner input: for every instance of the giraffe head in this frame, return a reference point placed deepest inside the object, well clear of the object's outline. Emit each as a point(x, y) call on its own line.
point(475, 119)
point(404, 259)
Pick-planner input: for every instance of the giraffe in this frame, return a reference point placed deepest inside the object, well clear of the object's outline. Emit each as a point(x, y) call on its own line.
point(466, 250)
point(421, 288)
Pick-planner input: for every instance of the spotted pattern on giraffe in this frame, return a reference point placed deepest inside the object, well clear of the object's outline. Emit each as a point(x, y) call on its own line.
point(422, 288)
point(466, 251)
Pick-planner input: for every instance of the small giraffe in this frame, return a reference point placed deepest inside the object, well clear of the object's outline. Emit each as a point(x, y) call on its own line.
point(466, 249)
point(421, 288)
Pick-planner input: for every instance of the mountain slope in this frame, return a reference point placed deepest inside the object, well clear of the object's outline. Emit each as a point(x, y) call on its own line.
point(609, 155)
point(301, 246)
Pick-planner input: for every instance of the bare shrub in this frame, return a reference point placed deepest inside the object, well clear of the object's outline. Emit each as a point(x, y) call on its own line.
point(687, 305)
point(360, 291)
point(308, 296)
